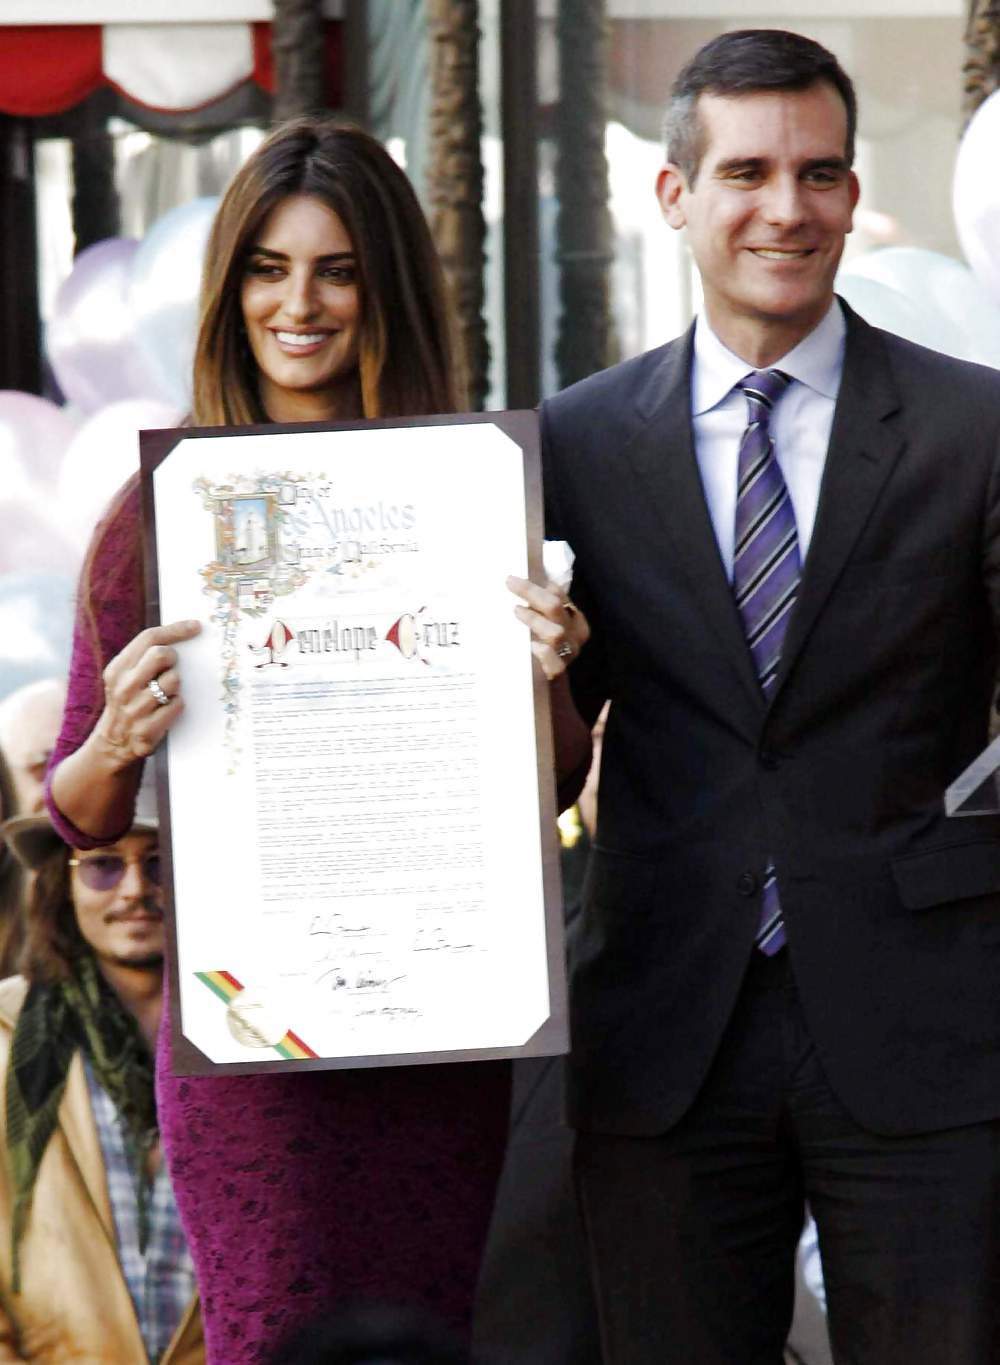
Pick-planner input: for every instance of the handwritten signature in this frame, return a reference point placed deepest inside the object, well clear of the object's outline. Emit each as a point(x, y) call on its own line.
point(434, 941)
point(337, 979)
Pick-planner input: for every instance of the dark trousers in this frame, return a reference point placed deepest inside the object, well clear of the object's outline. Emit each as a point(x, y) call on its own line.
point(692, 1233)
point(535, 1305)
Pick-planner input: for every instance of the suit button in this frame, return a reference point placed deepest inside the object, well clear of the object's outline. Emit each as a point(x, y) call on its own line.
point(768, 760)
point(746, 883)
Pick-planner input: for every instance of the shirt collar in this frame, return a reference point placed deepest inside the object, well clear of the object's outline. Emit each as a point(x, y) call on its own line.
point(817, 361)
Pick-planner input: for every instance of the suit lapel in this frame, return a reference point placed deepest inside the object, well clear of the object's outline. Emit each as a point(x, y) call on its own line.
point(864, 446)
point(663, 458)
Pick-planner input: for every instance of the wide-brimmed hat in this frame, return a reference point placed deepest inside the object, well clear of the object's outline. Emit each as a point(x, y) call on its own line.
point(32, 838)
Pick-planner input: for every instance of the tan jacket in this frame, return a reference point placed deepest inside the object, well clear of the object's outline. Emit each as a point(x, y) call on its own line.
point(74, 1304)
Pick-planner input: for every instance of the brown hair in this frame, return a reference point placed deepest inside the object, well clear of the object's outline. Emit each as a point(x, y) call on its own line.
point(407, 361)
point(406, 364)
point(52, 939)
point(11, 875)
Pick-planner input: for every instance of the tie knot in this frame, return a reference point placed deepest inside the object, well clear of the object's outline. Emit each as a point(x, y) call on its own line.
point(763, 388)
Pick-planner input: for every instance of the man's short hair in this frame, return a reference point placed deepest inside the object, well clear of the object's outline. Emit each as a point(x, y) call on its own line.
point(743, 63)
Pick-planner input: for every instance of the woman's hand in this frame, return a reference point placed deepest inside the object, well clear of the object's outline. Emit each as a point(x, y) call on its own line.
point(142, 698)
point(559, 630)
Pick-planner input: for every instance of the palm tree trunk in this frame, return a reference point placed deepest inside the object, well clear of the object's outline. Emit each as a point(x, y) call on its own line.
point(455, 177)
point(583, 225)
point(297, 40)
point(981, 68)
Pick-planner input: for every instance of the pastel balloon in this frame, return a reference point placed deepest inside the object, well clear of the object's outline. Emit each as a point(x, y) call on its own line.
point(34, 436)
point(36, 627)
point(101, 456)
point(918, 321)
point(976, 195)
point(32, 538)
point(164, 286)
point(90, 338)
point(946, 285)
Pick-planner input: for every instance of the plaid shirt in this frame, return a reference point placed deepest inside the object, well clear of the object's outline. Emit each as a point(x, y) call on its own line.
point(161, 1280)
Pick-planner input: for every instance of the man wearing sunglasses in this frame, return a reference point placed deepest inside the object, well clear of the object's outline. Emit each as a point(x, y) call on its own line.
point(93, 1264)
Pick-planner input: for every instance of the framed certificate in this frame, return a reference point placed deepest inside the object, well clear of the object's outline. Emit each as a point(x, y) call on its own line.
point(357, 805)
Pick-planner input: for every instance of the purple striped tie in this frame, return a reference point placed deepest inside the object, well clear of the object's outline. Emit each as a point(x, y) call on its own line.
point(766, 571)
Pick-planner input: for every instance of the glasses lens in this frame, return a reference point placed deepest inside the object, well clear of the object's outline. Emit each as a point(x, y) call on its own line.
point(102, 872)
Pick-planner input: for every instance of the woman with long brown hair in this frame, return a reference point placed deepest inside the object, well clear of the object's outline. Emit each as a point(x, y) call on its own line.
point(322, 300)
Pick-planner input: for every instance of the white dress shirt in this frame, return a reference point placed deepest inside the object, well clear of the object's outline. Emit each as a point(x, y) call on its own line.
point(800, 423)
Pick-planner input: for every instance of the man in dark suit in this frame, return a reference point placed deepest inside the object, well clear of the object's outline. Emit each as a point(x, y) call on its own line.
point(787, 981)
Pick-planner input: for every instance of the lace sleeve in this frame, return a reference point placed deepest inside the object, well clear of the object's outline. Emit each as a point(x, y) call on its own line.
point(109, 612)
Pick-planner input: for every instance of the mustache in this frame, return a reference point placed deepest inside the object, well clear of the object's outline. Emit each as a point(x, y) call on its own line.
point(146, 908)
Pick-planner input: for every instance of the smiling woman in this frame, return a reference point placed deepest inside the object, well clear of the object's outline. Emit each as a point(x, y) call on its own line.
point(322, 238)
point(323, 299)
point(301, 310)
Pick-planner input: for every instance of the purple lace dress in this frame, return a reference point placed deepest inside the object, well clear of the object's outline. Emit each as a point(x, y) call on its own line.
point(301, 1191)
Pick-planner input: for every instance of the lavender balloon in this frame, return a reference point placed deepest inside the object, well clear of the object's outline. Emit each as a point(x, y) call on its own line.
point(34, 436)
point(104, 453)
point(90, 338)
point(164, 287)
point(32, 540)
point(36, 626)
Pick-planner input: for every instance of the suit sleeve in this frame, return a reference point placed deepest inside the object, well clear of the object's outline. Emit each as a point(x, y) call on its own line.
point(115, 568)
point(587, 675)
point(991, 540)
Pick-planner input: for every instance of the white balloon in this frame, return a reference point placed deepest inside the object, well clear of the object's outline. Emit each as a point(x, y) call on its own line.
point(32, 539)
point(976, 195)
point(90, 337)
point(34, 436)
point(948, 286)
point(36, 626)
point(883, 306)
point(101, 456)
point(164, 285)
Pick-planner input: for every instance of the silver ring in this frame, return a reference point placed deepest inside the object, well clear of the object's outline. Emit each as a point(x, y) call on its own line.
point(565, 650)
point(158, 692)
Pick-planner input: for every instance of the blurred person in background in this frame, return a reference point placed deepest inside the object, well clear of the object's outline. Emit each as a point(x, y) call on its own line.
point(30, 718)
point(93, 1263)
point(323, 300)
point(11, 872)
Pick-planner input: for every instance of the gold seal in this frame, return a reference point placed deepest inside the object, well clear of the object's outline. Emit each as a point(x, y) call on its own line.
point(254, 1020)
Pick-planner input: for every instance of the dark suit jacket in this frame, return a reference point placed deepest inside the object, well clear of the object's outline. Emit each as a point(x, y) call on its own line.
point(893, 910)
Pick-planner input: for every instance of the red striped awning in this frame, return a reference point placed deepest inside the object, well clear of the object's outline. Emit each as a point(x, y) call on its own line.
point(169, 68)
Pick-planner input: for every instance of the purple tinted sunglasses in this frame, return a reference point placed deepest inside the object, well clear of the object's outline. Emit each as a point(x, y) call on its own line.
point(104, 871)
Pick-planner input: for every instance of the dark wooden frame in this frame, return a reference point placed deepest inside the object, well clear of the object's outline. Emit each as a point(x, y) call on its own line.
point(552, 1037)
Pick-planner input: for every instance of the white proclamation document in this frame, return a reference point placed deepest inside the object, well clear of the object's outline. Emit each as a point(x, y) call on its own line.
point(359, 822)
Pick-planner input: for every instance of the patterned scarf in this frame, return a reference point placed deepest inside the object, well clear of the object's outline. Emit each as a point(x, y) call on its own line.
point(55, 1020)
